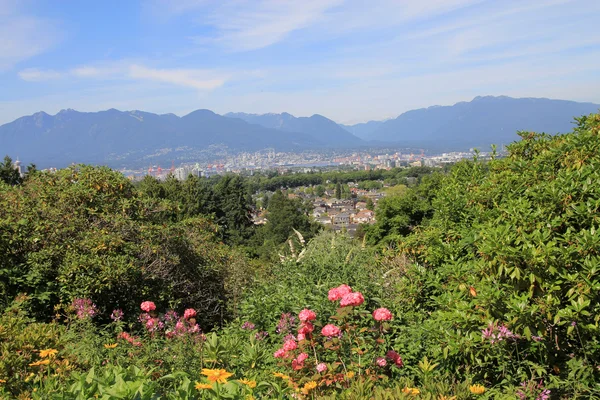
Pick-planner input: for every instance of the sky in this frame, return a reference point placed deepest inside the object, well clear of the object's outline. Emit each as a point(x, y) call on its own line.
point(349, 60)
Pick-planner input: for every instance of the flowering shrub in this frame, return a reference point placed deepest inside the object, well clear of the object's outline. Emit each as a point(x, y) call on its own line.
point(354, 347)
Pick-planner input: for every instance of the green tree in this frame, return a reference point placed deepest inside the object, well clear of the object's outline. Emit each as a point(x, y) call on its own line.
point(338, 190)
point(8, 173)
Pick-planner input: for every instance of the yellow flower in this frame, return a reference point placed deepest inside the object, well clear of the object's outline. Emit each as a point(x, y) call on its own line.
point(444, 397)
point(350, 374)
point(110, 346)
point(41, 362)
point(48, 353)
point(477, 389)
point(216, 375)
point(280, 375)
point(250, 397)
point(411, 391)
point(250, 384)
point(2, 380)
point(308, 386)
point(201, 386)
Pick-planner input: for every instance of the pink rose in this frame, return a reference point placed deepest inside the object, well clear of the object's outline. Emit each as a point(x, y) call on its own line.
point(306, 328)
point(395, 357)
point(321, 367)
point(148, 306)
point(189, 313)
point(381, 361)
point(338, 292)
point(281, 353)
point(290, 345)
point(382, 314)
point(301, 337)
point(302, 357)
point(307, 315)
point(330, 330)
point(180, 327)
point(352, 299)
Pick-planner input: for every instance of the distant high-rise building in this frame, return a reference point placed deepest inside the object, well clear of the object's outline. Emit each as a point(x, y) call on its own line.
point(17, 165)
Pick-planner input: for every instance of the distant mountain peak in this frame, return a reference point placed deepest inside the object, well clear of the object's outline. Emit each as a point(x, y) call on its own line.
point(317, 126)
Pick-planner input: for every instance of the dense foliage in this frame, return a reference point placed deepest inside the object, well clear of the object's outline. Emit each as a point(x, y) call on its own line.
point(479, 283)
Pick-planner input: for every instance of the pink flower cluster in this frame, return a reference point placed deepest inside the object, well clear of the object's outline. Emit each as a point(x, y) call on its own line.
point(395, 358)
point(331, 330)
point(148, 306)
point(189, 313)
point(496, 333)
point(321, 367)
point(117, 315)
point(170, 322)
point(298, 362)
point(346, 296)
point(307, 315)
point(133, 340)
point(84, 308)
point(382, 314)
point(339, 292)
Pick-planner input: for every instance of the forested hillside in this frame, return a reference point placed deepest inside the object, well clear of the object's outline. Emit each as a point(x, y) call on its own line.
point(476, 282)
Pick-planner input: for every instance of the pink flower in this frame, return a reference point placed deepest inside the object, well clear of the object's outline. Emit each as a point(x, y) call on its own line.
point(298, 362)
point(301, 337)
point(352, 299)
point(290, 345)
point(281, 353)
point(338, 292)
point(307, 315)
point(321, 367)
point(151, 324)
point(330, 330)
point(382, 314)
point(148, 306)
point(189, 313)
point(395, 357)
point(306, 328)
point(381, 361)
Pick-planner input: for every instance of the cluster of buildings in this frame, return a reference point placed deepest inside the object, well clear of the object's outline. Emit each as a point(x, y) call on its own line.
point(333, 213)
point(268, 159)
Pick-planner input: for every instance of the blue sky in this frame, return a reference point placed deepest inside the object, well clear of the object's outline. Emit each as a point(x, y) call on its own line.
point(352, 60)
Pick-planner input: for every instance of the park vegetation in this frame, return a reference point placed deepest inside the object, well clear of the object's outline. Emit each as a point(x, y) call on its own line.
point(480, 281)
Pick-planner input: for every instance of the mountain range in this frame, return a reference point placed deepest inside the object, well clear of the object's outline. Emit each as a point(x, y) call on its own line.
point(478, 123)
point(128, 138)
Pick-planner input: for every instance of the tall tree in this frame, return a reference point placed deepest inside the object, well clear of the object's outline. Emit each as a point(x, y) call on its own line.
point(8, 172)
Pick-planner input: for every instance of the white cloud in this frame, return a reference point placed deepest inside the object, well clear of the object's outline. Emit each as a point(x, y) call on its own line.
point(197, 79)
point(38, 75)
point(23, 36)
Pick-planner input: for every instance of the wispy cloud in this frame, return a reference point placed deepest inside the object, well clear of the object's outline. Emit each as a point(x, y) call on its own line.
point(197, 79)
point(23, 36)
point(39, 75)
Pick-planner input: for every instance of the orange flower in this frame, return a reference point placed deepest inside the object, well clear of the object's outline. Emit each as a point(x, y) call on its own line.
point(250, 384)
point(48, 353)
point(41, 362)
point(216, 375)
point(280, 375)
point(411, 391)
point(308, 386)
point(201, 386)
point(477, 389)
